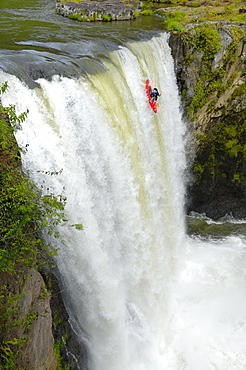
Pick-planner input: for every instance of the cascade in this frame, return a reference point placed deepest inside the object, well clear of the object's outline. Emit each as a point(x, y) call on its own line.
point(140, 293)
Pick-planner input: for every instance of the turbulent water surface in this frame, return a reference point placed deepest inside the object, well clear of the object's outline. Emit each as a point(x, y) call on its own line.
point(143, 290)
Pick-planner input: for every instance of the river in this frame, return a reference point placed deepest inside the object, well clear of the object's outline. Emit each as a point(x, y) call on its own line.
point(146, 287)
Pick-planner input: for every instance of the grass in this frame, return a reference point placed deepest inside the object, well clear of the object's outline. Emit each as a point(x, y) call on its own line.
point(196, 12)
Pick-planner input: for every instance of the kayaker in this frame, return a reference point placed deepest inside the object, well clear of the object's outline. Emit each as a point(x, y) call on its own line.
point(154, 94)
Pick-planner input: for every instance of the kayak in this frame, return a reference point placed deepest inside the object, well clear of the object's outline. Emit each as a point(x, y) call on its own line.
point(152, 102)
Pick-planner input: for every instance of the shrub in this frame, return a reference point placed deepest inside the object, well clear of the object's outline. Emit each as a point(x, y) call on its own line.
point(173, 21)
point(194, 4)
point(147, 12)
point(78, 17)
point(208, 40)
point(106, 17)
point(136, 14)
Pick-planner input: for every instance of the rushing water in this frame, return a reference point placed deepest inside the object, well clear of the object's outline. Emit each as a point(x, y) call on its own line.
point(142, 292)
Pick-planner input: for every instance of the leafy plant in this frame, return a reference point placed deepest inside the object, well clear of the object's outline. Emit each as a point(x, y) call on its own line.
point(208, 40)
point(226, 144)
point(78, 17)
point(147, 12)
point(172, 21)
point(58, 347)
point(9, 351)
point(136, 14)
point(106, 17)
point(194, 4)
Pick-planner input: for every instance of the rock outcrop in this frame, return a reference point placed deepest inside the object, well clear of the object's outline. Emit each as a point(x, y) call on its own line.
point(99, 10)
point(37, 351)
point(73, 351)
point(26, 337)
point(211, 80)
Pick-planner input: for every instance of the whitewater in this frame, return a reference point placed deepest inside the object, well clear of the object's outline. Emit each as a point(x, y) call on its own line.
point(141, 292)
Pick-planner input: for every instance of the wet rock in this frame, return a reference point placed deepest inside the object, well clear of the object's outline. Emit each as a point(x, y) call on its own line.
point(73, 349)
point(35, 324)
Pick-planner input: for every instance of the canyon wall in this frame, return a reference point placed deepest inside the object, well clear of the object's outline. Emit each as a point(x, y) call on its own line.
point(211, 75)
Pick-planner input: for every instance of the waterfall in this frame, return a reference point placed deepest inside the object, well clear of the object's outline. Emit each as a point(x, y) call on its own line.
point(135, 286)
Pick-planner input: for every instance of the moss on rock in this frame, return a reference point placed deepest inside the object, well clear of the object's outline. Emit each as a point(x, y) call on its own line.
point(211, 77)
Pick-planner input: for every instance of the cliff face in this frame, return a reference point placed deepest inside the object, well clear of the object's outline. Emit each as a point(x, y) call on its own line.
point(28, 332)
point(37, 352)
point(72, 349)
point(210, 68)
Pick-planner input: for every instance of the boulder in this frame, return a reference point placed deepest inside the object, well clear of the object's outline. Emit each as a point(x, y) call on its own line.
point(99, 10)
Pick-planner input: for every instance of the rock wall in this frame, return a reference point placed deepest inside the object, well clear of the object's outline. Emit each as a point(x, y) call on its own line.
point(37, 351)
point(26, 338)
point(211, 78)
point(73, 351)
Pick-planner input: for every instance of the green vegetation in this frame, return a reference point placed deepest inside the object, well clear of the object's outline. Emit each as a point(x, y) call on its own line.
point(172, 21)
point(106, 17)
point(223, 147)
point(9, 351)
point(146, 9)
point(74, 1)
point(211, 82)
point(78, 17)
point(147, 12)
point(84, 18)
point(58, 347)
point(207, 40)
point(216, 90)
point(136, 14)
point(198, 12)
